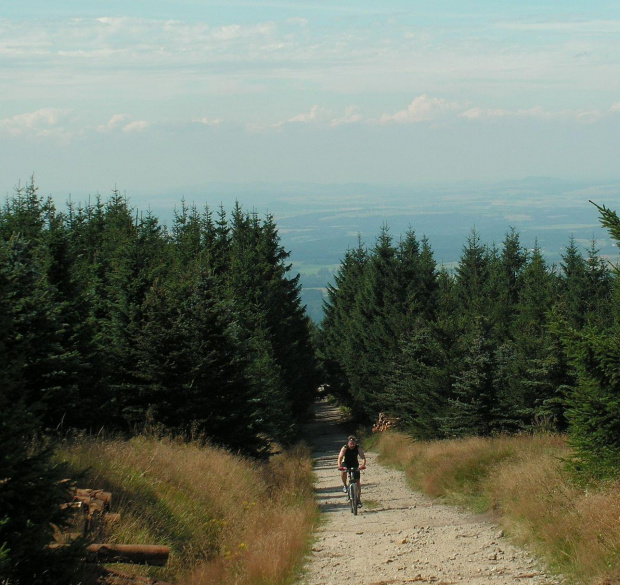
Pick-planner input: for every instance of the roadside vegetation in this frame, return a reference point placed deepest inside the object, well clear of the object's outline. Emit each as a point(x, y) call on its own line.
point(523, 481)
point(227, 519)
point(503, 344)
point(112, 321)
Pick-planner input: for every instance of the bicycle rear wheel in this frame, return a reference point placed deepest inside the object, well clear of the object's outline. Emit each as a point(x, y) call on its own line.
point(353, 497)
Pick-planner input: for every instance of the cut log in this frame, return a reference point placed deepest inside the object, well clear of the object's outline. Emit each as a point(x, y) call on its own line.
point(98, 499)
point(111, 519)
point(140, 554)
point(384, 423)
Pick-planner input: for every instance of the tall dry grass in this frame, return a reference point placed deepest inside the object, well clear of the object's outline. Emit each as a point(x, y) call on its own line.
point(523, 481)
point(227, 519)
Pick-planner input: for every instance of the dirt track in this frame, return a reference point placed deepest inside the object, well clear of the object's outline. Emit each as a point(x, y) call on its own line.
point(401, 536)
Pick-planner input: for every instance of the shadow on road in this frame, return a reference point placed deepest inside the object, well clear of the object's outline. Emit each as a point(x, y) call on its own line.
point(327, 433)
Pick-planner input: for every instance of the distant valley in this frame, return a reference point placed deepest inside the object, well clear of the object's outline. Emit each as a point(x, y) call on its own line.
point(317, 223)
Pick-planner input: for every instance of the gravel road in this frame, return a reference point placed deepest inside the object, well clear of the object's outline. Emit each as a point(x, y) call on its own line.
point(401, 536)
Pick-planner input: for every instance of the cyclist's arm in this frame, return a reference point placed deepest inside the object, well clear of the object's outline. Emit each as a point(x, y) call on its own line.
point(362, 455)
point(341, 457)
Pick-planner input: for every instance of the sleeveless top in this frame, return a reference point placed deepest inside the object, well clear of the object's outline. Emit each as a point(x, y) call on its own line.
point(350, 456)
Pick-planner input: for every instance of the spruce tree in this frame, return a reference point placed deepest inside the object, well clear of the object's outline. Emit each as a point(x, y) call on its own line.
point(338, 333)
point(594, 404)
point(473, 407)
point(31, 359)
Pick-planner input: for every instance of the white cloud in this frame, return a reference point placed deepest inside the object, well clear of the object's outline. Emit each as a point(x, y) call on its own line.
point(589, 115)
point(298, 21)
point(615, 107)
point(422, 109)
point(42, 122)
point(537, 112)
point(137, 126)
point(569, 26)
point(236, 31)
point(116, 121)
point(478, 113)
point(208, 121)
point(316, 114)
point(119, 122)
point(351, 116)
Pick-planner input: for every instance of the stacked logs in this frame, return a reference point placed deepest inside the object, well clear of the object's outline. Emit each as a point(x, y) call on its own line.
point(94, 519)
point(384, 423)
point(95, 506)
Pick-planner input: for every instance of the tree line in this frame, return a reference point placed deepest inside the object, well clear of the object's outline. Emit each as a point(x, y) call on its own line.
point(503, 343)
point(111, 320)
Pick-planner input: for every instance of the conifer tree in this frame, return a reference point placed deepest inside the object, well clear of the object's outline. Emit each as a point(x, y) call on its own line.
point(506, 280)
point(31, 358)
point(473, 408)
point(274, 327)
point(418, 384)
point(375, 322)
point(338, 333)
point(472, 274)
point(530, 386)
point(573, 285)
point(594, 404)
point(599, 289)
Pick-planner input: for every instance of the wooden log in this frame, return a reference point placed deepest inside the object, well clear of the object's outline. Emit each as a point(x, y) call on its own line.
point(111, 519)
point(98, 499)
point(95, 503)
point(140, 554)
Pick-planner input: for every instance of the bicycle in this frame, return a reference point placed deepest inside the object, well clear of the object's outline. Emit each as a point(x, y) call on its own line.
point(353, 475)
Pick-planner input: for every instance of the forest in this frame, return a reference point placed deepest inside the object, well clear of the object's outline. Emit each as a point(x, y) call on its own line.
point(115, 323)
point(112, 322)
point(504, 344)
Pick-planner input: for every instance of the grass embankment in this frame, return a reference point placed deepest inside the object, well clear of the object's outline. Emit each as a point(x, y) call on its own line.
point(522, 479)
point(227, 519)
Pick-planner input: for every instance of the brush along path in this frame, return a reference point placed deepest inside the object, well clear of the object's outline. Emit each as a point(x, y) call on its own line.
point(401, 536)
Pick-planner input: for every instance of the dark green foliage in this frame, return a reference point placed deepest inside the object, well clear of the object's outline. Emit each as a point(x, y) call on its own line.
point(504, 343)
point(594, 405)
point(123, 324)
point(594, 350)
point(417, 387)
point(32, 364)
point(193, 374)
point(109, 320)
point(272, 328)
point(473, 407)
point(30, 496)
point(341, 344)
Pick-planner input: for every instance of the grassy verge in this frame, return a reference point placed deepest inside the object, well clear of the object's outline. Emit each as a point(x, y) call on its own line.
point(523, 481)
point(227, 519)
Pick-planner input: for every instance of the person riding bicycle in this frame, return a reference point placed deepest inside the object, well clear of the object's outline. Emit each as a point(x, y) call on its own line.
point(348, 458)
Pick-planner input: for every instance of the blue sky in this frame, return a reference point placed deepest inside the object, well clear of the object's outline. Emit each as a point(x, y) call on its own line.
point(157, 97)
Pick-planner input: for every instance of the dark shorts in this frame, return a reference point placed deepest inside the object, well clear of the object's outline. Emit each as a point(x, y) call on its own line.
point(356, 473)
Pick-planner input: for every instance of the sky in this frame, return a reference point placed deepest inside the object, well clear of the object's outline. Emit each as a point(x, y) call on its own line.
point(153, 96)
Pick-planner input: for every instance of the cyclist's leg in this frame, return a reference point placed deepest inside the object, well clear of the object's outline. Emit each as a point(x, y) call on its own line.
point(343, 476)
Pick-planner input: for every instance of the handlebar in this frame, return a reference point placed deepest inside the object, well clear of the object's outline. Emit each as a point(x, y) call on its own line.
point(344, 468)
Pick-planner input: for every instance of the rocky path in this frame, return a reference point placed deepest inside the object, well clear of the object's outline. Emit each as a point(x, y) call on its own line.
point(401, 536)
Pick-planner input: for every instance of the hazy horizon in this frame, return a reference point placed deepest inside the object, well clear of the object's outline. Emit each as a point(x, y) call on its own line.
point(162, 96)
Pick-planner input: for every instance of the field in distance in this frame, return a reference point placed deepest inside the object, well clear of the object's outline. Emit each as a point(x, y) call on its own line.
point(318, 223)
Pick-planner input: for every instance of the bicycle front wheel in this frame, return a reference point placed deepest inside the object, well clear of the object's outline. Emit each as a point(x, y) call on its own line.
point(353, 497)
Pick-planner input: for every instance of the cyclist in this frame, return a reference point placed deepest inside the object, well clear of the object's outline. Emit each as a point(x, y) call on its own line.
point(347, 458)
